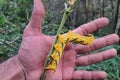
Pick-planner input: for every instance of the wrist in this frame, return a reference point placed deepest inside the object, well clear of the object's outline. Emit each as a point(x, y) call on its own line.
point(12, 70)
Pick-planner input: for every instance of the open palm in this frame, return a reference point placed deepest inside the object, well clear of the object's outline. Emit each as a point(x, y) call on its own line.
point(35, 46)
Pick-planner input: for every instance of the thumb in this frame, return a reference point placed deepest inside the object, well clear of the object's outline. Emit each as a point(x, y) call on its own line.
point(37, 16)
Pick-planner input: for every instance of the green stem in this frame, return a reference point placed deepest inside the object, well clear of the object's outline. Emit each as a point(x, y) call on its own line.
point(65, 16)
point(7, 43)
point(58, 32)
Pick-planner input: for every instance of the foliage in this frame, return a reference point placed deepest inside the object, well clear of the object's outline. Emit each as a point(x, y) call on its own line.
point(13, 18)
point(52, 29)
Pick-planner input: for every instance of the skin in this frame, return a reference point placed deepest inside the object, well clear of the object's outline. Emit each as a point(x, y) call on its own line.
point(35, 46)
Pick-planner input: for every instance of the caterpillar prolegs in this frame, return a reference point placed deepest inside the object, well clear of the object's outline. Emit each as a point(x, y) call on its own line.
point(61, 43)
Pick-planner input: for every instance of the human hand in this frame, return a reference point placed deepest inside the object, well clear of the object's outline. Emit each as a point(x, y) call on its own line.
point(35, 46)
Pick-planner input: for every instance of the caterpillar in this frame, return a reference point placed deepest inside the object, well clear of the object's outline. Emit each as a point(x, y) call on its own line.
point(63, 39)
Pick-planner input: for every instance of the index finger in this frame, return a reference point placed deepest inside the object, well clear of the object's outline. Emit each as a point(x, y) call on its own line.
point(91, 26)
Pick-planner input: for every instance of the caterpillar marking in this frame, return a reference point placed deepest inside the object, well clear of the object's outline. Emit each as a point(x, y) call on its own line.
point(61, 43)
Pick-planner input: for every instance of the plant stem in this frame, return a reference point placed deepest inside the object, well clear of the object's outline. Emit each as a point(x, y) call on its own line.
point(65, 16)
point(58, 32)
point(7, 43)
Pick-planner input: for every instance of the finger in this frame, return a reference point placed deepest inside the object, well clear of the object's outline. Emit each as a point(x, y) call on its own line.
point(97, 44)
point(89, 75)
point(91, 26)
point(95, 58)
point(37, 16)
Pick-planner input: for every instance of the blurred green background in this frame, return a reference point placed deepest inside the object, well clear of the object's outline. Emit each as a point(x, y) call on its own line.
point(15, 14)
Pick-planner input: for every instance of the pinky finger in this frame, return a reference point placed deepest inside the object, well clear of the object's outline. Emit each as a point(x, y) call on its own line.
point(89, 75)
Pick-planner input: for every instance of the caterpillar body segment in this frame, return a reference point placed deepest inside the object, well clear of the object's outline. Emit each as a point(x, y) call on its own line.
point(52, 66)
point(61, 43)
point(71, 36)
point(55, 56)
point(85, 40)
point(59, 47)
point(63, 38)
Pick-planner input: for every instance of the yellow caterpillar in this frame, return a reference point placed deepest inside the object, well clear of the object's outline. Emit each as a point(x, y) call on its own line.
point(61, 43)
